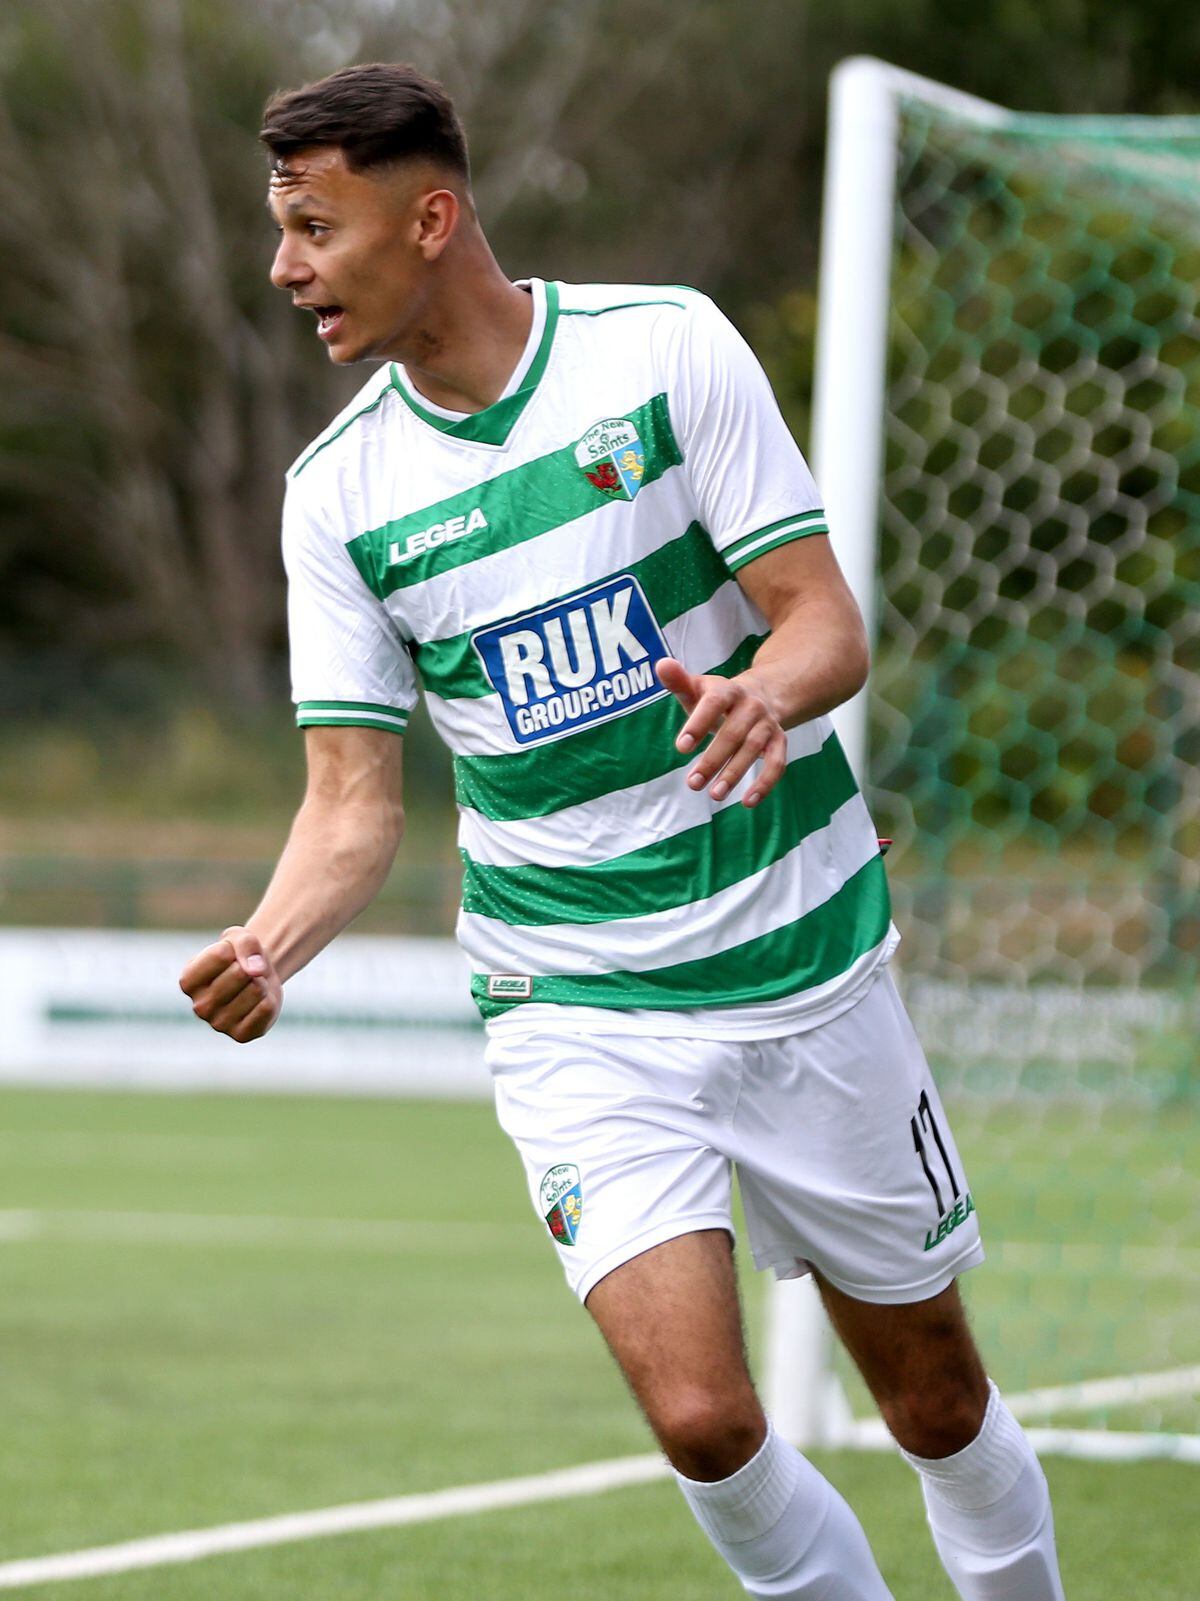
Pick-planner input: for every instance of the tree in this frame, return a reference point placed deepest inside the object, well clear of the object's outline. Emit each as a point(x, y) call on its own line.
point(156, 386)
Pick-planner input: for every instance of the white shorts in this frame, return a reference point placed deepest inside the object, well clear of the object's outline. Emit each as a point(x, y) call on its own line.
point(844, 1157)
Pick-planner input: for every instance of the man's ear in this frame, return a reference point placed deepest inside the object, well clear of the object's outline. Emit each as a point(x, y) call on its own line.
point(437, 219)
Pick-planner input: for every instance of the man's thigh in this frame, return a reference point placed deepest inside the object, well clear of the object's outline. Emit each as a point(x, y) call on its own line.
point(619, 1137)
point(920, 1362)
point(846, 1160)
point(672, 1319)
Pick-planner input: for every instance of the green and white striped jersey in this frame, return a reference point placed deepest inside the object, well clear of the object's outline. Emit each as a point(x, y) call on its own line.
point(529, 564)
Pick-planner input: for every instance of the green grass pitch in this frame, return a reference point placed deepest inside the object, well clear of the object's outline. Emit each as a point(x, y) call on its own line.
point(158, 1376)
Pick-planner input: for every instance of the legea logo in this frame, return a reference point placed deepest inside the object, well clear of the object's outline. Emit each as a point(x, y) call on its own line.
point(436, 534)
point(575, 663)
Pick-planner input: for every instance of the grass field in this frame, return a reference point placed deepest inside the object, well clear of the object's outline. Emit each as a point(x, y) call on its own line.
point(218, 1309)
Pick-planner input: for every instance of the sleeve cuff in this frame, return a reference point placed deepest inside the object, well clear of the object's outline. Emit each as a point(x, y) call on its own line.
point(760, 540)
point(350, 714)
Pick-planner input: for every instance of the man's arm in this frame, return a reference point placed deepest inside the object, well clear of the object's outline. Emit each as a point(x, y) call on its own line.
point(815, 658)
point(341, 845)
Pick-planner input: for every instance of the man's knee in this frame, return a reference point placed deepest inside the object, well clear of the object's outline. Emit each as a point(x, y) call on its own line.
point(709, 1434)
point(937, 1414)
point(922, 1367)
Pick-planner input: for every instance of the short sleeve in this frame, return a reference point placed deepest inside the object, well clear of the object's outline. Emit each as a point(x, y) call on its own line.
point(350, 667)
point(751, 484)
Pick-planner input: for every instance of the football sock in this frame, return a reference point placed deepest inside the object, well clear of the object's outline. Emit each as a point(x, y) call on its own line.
point(989, 1510)
point(785, 1531)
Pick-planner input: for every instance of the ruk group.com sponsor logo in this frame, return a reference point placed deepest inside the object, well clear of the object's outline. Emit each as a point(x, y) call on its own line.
point(577, 662)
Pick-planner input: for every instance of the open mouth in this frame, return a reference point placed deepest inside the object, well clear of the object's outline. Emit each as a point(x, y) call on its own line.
point(328, 320)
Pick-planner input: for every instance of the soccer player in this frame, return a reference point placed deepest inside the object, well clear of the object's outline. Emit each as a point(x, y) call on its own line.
point(574, 513)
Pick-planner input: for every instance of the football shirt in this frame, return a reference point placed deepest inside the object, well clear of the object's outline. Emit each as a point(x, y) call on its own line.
point(526, 566)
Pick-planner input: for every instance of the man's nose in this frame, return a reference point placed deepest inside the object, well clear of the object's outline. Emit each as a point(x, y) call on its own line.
point(288, 269)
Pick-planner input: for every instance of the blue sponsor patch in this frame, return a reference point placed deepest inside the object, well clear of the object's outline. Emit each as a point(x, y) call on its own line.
point(575, 663)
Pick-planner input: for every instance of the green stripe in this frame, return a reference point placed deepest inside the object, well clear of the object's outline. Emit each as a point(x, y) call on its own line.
point(349, 720)
point(493, 424)
point(800, 520)
point(681, 574)
point(690, 866)
point(624, 305)
point(586, 765)
point(71, 1012)
point(736, 563)
point(811, 951)
point(349, 706)
point(318, 448)
point(519, 505)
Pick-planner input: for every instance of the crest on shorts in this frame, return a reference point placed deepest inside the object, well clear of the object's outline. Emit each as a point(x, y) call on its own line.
point(612, 458)
point(560, 1200)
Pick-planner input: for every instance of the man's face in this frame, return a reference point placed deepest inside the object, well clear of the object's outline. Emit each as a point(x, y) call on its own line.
point(354, 250)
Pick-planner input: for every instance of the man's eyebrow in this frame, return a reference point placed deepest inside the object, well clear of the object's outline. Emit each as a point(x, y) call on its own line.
point(301, 203)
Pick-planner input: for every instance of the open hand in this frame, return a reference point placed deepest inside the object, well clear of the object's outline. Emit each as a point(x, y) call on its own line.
point(745, 726)
point(233, 986)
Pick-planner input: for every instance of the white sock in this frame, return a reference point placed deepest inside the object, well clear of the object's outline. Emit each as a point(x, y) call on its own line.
point(989, 1510)
point(785, 1531)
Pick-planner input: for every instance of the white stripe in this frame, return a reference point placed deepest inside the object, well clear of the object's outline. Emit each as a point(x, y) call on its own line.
point(701, 638)
point(595, 831)
point(735, 552)
point(708, 634)
point(762, 1020)
point(399, 1511)
point(589, 1479)
point(1128, 1390)
point(323, 716)
point(777, 895)
point(1088, 1445)
point(1098, 1444)
point(472, 725)
point(537, 572)
point(185, 1228)
point(18, 1225)
point(350, 708)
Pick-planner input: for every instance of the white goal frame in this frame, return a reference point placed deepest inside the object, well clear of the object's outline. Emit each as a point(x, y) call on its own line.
point(802, 1391)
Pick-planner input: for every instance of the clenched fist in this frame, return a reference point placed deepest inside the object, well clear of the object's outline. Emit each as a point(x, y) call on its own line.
point(233, 986)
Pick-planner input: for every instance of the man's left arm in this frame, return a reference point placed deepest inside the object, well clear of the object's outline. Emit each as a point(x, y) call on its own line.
point(815, 657)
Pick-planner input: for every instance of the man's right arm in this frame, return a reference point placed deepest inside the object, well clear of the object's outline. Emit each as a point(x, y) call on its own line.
point(337, 856)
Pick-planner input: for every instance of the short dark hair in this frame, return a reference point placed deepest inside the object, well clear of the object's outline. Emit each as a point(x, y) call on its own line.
point(375, 113)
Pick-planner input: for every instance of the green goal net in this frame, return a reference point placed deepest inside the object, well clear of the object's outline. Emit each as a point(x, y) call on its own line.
point(1033, 725)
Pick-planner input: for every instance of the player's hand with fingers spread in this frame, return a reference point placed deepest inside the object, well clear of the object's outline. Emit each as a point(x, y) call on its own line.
point(233, 986)
point(744, 724)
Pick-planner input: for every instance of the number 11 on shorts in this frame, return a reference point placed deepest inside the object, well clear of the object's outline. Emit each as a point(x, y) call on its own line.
point(956, 1207)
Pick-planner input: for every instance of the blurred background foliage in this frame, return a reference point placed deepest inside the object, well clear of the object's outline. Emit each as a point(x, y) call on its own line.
point(156, 386)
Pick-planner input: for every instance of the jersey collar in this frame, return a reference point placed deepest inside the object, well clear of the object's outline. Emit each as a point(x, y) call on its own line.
point(494, 424)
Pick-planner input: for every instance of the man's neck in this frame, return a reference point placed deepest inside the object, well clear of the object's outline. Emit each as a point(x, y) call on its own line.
point(469, 345)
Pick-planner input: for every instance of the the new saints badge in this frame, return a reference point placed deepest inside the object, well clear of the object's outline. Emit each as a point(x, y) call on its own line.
point(560, 1201)
point(612, 457)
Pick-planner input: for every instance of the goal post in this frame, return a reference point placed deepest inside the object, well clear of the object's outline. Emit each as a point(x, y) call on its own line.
point(1006, 431)
point(852, 322)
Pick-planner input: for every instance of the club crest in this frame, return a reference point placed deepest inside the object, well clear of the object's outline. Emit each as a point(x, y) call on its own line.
point(612, 457)
point(560, 1200)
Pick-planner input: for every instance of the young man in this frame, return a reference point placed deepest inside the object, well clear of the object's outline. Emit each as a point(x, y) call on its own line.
point(572, 511)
